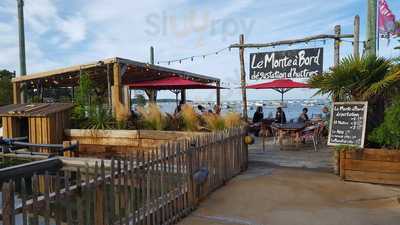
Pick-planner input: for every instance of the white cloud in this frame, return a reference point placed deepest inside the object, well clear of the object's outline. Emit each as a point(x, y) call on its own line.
point(60, 33)
point(74, 30)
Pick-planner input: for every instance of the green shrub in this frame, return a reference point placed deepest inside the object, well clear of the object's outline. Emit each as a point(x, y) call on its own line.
point(388, 133)
point(99, 118)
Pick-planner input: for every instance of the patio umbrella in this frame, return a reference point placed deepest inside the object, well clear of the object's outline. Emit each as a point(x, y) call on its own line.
point(281, 86)
point(173, 83)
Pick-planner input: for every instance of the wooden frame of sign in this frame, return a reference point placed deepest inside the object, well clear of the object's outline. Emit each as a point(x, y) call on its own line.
point(332, 124)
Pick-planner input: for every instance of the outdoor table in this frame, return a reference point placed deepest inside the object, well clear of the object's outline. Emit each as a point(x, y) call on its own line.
point(289, 128)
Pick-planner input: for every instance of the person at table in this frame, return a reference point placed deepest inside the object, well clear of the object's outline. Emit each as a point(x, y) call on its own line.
point(280, 116)
point(258, 115)
point(303, 118)
point(201, 109)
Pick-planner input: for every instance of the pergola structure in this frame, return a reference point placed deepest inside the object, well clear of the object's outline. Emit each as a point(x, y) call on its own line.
point(116, 74)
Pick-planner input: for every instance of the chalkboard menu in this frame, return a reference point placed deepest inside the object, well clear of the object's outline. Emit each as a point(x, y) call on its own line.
point(347, 125)
point(298, 63)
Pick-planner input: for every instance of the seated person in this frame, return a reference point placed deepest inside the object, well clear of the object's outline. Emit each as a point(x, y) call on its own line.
point(258, 115)
point(201, 109)
point(280, 116)
point(303, 118)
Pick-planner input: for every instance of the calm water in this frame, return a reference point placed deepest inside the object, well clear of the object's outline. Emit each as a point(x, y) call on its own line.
point(292, 111)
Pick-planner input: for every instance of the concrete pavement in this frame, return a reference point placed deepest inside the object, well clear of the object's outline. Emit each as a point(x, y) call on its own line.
point(273, 195)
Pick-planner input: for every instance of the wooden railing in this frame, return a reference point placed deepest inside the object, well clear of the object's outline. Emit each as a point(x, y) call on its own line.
point(160, 187)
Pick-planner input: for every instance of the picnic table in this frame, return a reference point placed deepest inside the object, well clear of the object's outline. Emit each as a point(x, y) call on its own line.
point(289, 130)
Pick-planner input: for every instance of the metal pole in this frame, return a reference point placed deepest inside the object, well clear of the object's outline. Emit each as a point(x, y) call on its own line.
point(371, 27)
point(356, 45)
point(21, 33)
point(243, 77)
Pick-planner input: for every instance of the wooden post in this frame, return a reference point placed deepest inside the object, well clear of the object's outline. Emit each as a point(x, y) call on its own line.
point(183, 95)
point(119, 108)
point(109, 86)
point(152, 94)
point(371, 27)
point(356, 44)
point(16, 93)
point(127, 97)
point(8, 204)
point(218, 94)
point(337, 46)
point(243, 77)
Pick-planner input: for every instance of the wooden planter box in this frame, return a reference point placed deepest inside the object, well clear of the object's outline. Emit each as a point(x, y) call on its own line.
point(108, 143)
point(378, 166)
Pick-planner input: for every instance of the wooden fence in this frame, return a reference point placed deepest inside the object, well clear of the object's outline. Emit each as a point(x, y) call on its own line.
point(156, 188)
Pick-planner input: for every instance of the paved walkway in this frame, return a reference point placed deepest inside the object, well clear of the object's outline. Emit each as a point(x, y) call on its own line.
point(270, 194)
point(303, 156)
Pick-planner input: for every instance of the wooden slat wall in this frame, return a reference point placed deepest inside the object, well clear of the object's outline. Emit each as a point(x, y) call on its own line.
point(48, 130)
point(156, 188)
point(10, 127)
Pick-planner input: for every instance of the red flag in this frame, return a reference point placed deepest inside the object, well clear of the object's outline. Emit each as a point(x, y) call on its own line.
point(386, 19)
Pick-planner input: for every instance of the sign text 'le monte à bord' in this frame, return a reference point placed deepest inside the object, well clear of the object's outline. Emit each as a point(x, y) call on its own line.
point(299, 63)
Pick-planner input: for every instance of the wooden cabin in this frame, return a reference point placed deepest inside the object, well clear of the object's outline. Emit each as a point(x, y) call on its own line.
point(42, 123)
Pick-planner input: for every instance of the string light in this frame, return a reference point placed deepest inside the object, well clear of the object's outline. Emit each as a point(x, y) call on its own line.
point(193, 57)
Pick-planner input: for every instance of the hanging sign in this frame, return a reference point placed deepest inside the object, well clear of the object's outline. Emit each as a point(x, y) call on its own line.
point(299, 63)
point(348, 122)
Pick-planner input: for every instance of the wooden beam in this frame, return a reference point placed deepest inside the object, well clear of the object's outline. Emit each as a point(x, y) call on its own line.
point(336, 55)
point(16, 93)
point(109, 86)
point(243, 77)
point(356, 44)
point(116, 90)
point(294, 41)
point(120, 104)
point(70, 69)
point(218, 94)
point(183, 95)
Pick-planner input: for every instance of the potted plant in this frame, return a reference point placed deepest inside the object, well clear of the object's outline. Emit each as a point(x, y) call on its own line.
point(376, 80)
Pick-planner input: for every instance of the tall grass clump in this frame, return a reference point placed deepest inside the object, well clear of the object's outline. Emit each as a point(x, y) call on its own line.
point(152, 117)
point(99, 118)
point(214, 122)
point(190, 118)
point(232, 120)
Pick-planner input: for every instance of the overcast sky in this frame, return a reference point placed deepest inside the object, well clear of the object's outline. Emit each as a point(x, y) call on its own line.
point(61, 33)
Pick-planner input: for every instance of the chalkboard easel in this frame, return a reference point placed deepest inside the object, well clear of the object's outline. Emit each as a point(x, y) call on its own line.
point(347, 123)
